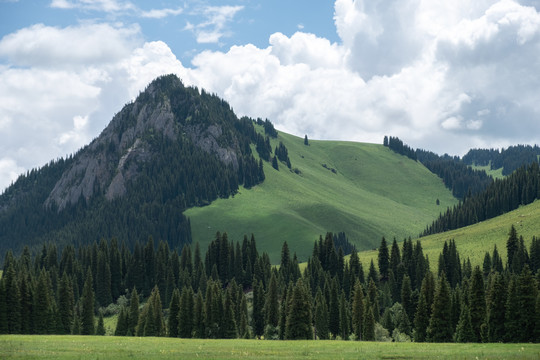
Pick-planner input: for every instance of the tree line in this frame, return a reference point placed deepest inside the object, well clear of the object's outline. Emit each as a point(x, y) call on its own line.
point(522, 187)
point(235, 292)
point(509, 159)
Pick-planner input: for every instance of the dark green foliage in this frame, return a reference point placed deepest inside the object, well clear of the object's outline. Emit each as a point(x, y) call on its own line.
point(406, 297)
point(527, 290)
point(306, 141)
point(333, 309)
point(185, 313)
point(258, 308)
point(12, 300)
point(174, 310)
point(368, 324)
point(228, 323)
point(384, 260)
point(321, 316)
point(421, 318)
point(512, 324)
point(133, 313)
point(512, 245)
point(298, 324)
point(275, 164)
point(496, 309)
point(122, 323)
point(151, 318)
point(198, 317)
point(440, 327)
point(477, 304)
point(100, 330)
point(282, 155)
point(464, 330)
point(344, 316)
point(66, 303)
point(271, 306)
point(396, 145)
point(103, 280)
point(358, 310)
point(450, 264)
point(87, 306)
point(499, 197)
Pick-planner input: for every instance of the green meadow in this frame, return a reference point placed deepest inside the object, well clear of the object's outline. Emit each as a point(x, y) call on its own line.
point(365, 190)
point(109, 347)
point(473, 241)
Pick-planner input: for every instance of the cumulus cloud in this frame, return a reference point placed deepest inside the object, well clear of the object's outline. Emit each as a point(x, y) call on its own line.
point(161, 13)
point(98, 5)
point(444, 77)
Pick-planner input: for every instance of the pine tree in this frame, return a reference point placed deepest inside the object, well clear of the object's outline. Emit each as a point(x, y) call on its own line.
point(440, 327)
point(496, 310)
point(174, 310)
point(384, 260)
point(87, 302)
point(526, 304)
point(284, 310)
point(198, 317)
point(103, 281)
point(358, 310)
point(512, 244)
point(477, 303)
point(185, 313)
point(373, 294)
point(66, 303)
point(133, 313)
point(512, 313)
point(368, 325)
point(258, 308)
point(421, 318)
point(333, 309)
point(298, 324)
point(228, 327)
point(321, 316)
point(406, 297)
point(344, 316)
point(122, 323)
point(464, 330)
point(100, 330)
point(271, 307)
point(12, 299)
point(306, 141)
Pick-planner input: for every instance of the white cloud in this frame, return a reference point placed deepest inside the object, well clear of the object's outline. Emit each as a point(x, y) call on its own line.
point(161, 13)
point(9, 171)
point(96, 5)
point(47, 46)
point(214, 27)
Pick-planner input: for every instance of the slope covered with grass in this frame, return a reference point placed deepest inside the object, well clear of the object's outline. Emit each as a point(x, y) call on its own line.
point(473, 241)
point(365, 190)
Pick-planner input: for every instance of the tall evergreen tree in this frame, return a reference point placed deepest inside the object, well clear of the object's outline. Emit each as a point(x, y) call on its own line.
point(100, 329)
point(87, 309)
point(321, 316)
point(512, 313)
point(185, 313)
point(271, 306)
point(368, 325)
point(440, 327)
point(12, 299)
point(384, 260)
point(228, 327)
point(258, 308)
point(198, 317)
point(527, 291)
point(133, 313)
point(42, 304)
point(103, 280)
point(66, 303)
point(174, 310)
point(298, 324)
point(464, 330)
point(477, 303)
point(333, 309)
point(421, 318)
point(496, 310)
point(512, 244)
point(344, 316)
point(406, 297)
point(122, 323)
point(358, 310)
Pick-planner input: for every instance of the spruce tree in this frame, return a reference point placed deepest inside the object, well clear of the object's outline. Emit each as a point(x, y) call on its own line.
point(333, 309)
point(464, 330)
point(258, 308)
point(321, 316)
point(496, 310)
point(358, 310)
point(174, 310)
point(133, 313)
point(406, 297)
point(100, 330)
point(198, 317)
point(512, 244)
point(512, 313)
point(384, 260)
point(368, 325)
point(271, 307)
point(66, 303)
point(185, 313)
point(103, 280)
point(527, 291)
point(87, 306)
point(12, 299)
point(373, 294)
point(298, 324)
point(228, 324)
point(421, 319)
point(440, 327)
point(344, 316)
point(122, 323)
point(477, 303)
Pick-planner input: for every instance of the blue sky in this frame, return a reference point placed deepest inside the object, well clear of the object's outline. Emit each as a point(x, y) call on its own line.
point(444, 76)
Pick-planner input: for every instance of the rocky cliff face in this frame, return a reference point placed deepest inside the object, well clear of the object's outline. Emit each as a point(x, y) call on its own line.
point(112, 160)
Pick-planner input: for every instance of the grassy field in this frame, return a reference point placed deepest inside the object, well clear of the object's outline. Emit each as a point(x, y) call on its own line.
point(93, 347)
point(473, 241)
point(373, 192)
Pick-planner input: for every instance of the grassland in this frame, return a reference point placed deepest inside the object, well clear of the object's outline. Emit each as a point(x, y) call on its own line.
point(371, 193)
point(108, 347)
point(473, 241)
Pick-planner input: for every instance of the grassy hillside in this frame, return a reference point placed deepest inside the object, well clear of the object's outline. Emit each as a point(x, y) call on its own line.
point(371, 193)
point(473, 241)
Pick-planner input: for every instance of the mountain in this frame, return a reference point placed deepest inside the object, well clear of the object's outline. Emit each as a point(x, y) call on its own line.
point(177, 164)
point(172, 148)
